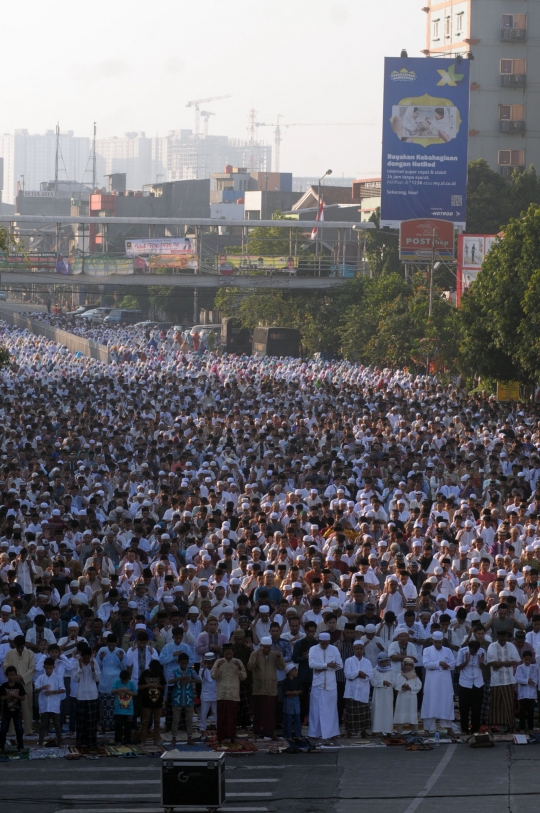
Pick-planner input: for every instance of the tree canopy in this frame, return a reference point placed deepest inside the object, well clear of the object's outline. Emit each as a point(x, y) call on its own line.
point(492, 201)
point(499, 314)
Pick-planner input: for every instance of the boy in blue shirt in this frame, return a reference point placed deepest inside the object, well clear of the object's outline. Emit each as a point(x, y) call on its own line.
point(292, 689)
point(123, 690)
point(183, 696)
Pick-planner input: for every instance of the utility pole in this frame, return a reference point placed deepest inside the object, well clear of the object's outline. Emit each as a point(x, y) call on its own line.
point(430, 309)
point(94, 160)
point(56, 157)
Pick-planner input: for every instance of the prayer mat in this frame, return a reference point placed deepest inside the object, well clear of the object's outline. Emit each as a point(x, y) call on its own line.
point(13, 754)
point(197, 747)
point(48, 753)
point(85, 750)
point(235, 748)
point(122, 750)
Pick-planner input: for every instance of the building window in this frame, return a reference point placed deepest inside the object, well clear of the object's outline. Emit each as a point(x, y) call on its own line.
point(447, 27)
point(515, 21)
point(436, 29)
point(460, 24)
point(512, 112)
point(513, 66)
point(511, 158)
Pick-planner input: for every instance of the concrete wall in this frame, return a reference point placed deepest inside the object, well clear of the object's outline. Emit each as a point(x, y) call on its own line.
point(74, 343)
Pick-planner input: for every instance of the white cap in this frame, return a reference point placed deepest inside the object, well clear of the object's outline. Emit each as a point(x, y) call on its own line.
point(266, 641)
point(324, 636)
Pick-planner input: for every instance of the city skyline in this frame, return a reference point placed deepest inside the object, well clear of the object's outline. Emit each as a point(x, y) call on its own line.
point(106, 79)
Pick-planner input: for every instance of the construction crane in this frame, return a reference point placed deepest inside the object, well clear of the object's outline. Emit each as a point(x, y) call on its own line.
point(196, 102)
point(205, 114)
point(278, 137)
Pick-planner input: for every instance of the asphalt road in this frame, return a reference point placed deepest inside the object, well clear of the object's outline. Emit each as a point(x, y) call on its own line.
point(378, 780)
point(27, 307)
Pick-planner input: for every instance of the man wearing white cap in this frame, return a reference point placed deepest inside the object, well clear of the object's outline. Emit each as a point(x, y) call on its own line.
point(438, 702)
point(325, 660)
point(7, 623)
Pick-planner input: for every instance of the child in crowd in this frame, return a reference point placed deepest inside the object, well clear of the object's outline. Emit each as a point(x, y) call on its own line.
point(527, 676)
point(183, 696)
point(407, 684)
point(292, 689)
point(12, 693)
point(50, 690)
point(208, 691)
point(123, 690)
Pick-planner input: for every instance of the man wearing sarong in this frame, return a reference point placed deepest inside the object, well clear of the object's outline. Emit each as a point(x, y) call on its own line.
point(502, 657)
point(228, 672)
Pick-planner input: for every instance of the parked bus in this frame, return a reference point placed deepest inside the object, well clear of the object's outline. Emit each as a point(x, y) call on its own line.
point(276, 341)
point(235, 338)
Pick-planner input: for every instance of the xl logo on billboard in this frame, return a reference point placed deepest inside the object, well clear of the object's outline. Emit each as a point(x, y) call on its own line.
point(403, 76)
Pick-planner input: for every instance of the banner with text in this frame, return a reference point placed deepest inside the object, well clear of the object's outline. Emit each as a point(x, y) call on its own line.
point(425, 137)
point(160, 246)
point(472, 249)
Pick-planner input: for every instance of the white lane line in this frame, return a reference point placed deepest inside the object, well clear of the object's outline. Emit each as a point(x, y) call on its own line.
point(227, 808)
point(119, 781)
point(247, 780)
point(250, 795)
point(128, 796)
point(96, 797)
point(432, 779)
point(79, 781)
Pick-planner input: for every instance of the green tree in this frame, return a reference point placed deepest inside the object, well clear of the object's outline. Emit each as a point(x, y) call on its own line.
point(390, 325)
point(382, 248)
point(5, 358)
point(5, 239)
point(129, 303)
point(267, 241)
point(489, 200)
point(498, 314)
point(492, 201)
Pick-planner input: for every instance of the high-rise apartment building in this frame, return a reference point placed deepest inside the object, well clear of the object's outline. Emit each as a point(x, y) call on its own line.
point(130, 153)
point(188, 156)
point(30, 159)
point(502, 36)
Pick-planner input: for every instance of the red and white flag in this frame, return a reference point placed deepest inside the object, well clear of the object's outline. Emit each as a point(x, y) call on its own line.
point(319, 218)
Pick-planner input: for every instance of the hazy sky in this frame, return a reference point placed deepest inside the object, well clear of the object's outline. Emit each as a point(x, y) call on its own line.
point(134, 66)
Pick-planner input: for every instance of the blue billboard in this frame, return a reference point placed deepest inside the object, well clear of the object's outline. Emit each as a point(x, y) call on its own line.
point(425, 136)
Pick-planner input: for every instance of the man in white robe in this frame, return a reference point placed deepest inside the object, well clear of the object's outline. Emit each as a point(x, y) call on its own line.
point(438, 702)
point(325, 660)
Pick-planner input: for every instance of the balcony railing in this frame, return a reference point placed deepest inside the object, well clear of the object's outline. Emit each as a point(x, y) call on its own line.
point(507, 171)
point(513, 35)
point(512, 126)
point(515, 80)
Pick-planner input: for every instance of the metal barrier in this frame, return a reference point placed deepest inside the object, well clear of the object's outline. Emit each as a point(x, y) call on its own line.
point(75, 344)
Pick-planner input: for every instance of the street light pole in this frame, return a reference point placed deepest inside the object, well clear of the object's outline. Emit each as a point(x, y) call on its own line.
point(431, 269)
point(328, 172)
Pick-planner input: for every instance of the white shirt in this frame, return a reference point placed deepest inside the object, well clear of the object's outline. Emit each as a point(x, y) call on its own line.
point(8, 627)
point(505, 675)
point(471, 675)
point(87, 678)
point(318, 659)
point(357, 688)
point(50, 702)
point(47, 634)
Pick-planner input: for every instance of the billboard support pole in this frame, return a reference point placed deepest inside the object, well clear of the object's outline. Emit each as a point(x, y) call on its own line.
point(430, 310)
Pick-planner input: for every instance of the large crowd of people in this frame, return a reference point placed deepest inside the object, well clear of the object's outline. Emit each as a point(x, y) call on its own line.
point(266, 547)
